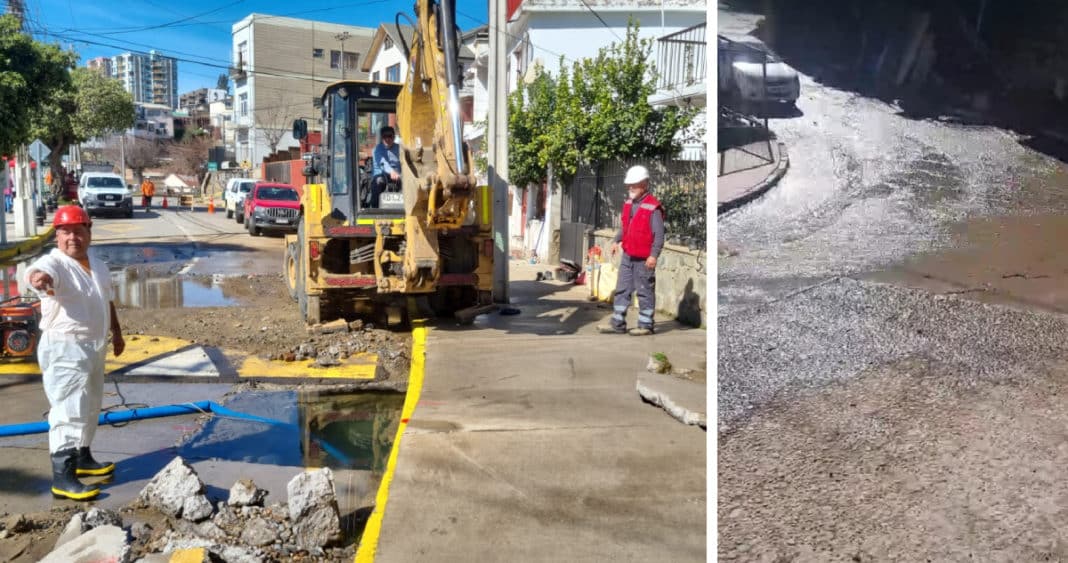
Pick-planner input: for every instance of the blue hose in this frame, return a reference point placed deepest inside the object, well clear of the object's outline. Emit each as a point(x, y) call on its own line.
point(112, 417)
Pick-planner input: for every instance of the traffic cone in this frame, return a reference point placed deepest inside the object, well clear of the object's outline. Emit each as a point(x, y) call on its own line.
point(165, 202)
point(211, 205)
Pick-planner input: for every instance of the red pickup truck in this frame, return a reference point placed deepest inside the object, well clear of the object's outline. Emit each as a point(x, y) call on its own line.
point(272, 207)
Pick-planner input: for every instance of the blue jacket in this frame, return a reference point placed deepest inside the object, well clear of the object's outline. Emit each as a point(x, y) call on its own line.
point(386, 160)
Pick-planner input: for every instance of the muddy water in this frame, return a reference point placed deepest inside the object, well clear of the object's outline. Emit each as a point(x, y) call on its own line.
point(140, 289)
point(1019, 259)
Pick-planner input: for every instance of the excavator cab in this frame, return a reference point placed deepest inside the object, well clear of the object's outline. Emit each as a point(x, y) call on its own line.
point(354, 113)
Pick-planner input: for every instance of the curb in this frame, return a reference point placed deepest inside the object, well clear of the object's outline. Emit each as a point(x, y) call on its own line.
point(27, 245)
point(687, 406)
point(759, 189)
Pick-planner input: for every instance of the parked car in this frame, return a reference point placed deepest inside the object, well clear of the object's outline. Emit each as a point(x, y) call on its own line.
point(104, 192)
point(234, 196)
point(741, 72)
point(272, 206)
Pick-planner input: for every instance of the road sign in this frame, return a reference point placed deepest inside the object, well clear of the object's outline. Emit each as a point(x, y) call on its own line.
point(213, 166)
point(38, 150)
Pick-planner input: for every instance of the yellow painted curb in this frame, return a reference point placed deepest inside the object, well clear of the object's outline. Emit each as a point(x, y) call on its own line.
point(26, 245)
point(369, 542)
point(359, 366)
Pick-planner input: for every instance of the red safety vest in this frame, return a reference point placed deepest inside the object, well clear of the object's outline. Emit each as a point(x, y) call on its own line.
point(638, 234)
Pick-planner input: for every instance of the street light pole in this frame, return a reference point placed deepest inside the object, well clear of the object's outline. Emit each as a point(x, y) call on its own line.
point(342, 37)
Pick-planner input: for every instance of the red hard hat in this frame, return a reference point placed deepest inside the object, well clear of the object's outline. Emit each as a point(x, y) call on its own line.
point(71, 215)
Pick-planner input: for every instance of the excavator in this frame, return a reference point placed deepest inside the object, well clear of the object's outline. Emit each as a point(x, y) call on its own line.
point(423, 245)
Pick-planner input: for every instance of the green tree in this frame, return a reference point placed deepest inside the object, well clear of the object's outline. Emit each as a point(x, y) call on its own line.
point(30, 72)
point(93, 106)
point(595, 111)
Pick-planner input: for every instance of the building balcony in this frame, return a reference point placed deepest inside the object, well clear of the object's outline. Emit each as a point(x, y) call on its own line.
point(237, 72)
point(681, 66)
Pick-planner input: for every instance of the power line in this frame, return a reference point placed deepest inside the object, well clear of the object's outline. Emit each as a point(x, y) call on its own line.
point(598, 16)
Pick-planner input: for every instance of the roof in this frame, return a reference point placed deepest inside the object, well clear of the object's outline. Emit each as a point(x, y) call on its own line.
point(383, 31)
point(283, 21)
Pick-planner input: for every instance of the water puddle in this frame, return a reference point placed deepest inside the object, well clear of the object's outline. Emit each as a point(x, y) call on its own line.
point(351, 434)
point(142, 290)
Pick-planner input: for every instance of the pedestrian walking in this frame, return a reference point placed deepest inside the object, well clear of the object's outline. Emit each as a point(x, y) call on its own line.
point(642, 238)
point(76, 313)
point(148, 189)
point(9, 193)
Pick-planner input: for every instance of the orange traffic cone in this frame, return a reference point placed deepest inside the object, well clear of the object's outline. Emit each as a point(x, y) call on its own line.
point(211, 205)
point(165, 202)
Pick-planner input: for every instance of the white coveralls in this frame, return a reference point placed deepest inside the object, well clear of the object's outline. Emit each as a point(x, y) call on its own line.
point(74, 334)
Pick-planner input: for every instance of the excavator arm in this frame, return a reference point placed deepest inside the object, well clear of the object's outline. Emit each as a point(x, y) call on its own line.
point(436, 162)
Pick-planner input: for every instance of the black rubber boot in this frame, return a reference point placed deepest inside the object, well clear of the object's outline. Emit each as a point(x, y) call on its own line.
point(65, 483)
point(89, 466)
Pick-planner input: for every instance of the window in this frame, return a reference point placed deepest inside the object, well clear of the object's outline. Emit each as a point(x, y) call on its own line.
point(388, 43)
point(350, 60)
point(341, 137)
point(242, 53)
point(242, 104)
point(317, 53)
point(393, 73)
point(374, 76)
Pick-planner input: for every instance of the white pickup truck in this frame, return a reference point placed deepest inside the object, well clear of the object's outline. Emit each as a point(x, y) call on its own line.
point(104, 192)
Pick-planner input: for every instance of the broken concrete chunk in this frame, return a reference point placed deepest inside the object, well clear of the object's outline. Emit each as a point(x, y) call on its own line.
point(331, 327)
point(313, 508)
point(106, 543)
point(246, 493)
point(141, 530)
point(227, 519)
point(259, 532)
point(75, 528)
point(97, 517)
point(196, 508)
point(169, 489)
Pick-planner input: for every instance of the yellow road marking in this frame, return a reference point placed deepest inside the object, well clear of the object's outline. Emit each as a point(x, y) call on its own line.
point(369, 542)
point(151, 348)
point(190, 555)
point(117, 227)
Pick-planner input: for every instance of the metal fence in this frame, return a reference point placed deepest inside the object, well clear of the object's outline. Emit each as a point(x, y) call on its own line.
point(681, 58)
point(594, 200)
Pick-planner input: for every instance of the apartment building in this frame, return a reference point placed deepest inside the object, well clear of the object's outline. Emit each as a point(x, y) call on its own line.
point(280, 66)
point(201, 98)
point(100, 64)
point(150, 78)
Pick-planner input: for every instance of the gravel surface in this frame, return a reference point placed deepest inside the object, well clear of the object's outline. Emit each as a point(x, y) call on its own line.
point(839, 328)
point(267, 323)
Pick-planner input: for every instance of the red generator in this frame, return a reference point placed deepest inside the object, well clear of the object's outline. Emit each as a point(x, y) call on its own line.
point(20, 318)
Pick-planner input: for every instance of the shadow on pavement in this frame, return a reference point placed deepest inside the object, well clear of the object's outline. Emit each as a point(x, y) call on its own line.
point(864, 47)
point(22, 483)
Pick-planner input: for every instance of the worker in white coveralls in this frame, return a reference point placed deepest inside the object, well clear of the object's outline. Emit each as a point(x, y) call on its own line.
point(76, 313)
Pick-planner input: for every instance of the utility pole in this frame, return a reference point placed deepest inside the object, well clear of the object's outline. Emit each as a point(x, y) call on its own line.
point(122, 156)
point(342, 37)
point(497, 147)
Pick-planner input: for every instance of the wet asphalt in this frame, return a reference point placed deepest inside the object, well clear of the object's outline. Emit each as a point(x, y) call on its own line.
point(868, 188)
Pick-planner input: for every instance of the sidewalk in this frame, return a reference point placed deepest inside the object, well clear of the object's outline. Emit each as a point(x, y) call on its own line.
point(530, 442)
point(750, 182)
point(19, 245)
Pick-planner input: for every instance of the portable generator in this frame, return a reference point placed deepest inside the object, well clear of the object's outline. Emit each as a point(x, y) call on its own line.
point(20, 319)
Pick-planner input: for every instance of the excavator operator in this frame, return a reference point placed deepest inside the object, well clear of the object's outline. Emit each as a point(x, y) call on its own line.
point(386, 172)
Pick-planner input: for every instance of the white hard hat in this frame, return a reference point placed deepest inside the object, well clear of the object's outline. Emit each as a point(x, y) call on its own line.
point(636, 174)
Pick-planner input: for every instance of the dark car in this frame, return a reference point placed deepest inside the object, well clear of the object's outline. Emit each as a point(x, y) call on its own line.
point(272, 207)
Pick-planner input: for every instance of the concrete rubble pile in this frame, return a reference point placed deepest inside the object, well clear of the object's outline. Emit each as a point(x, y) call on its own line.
point(240, 530)
point(335, 341)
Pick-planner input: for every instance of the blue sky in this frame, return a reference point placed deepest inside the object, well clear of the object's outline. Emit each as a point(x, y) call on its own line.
point(197, 31)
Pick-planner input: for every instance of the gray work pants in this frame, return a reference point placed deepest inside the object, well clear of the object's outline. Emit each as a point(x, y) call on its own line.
point(634, 276)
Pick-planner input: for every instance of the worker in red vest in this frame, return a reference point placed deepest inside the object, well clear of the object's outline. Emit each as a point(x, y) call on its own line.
point(642, 239)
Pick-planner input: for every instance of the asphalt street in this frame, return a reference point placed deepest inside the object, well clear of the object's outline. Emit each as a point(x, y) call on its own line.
point(868, 188)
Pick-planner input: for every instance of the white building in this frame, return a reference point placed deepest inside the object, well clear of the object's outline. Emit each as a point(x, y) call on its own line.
point(153, 121)
point(149, 78)
point(280, 68)
point(540, 32)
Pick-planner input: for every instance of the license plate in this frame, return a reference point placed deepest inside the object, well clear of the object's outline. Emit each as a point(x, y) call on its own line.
point(110, 203)
point(392, 198)
point(282, 221)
